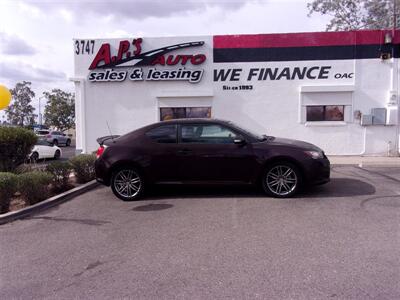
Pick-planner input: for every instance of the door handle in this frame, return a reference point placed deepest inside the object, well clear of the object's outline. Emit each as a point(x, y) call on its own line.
point(184, 151)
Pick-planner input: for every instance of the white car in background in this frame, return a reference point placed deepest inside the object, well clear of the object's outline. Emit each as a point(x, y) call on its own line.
point(43, 149)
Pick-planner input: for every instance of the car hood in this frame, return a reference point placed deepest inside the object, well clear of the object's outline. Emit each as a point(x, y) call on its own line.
point(293, 143)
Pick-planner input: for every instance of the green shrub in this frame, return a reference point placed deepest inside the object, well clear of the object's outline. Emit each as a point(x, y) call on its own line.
point(24, 168)
point(83, 166)
point(15, 145)
point(34, 186)
point(60, 172)
point(8, 187)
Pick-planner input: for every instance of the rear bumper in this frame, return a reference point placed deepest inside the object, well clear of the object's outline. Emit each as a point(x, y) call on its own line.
point(102, 174)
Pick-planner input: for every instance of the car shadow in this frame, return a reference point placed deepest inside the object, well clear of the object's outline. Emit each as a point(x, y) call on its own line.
point(337, 187)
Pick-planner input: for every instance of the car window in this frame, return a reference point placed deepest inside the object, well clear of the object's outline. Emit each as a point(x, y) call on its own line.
point(42, 132)
point(42, 142)
point(163, 134)
point(207, 134)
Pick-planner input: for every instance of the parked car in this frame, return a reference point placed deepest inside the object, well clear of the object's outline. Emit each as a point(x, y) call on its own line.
point(43, 149)
point(206, 151)
point(54, 137)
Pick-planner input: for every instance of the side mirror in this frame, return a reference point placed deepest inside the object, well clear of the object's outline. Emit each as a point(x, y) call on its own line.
point(239, 140)
point(64, 134)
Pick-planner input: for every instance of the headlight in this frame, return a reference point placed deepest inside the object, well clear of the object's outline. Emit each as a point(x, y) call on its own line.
point(314, 154)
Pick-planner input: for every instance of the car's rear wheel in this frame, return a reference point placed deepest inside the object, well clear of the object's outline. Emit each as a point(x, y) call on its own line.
point(57, 154)
point(281, 180)
point(34, 157)
point(127, 184)
point(55, 142)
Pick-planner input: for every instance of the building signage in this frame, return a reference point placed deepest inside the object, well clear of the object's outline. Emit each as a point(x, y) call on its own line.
point(127, 63)
point(263, 74)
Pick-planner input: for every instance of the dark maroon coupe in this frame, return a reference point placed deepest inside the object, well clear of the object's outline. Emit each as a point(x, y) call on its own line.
point(206, 151)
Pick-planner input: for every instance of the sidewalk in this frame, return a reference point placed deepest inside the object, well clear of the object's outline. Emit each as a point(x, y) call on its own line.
point(365, 160)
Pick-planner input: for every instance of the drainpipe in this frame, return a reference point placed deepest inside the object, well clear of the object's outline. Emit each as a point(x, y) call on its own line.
point(395, 85)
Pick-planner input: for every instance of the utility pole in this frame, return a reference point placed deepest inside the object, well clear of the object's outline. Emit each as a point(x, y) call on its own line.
point(40, 111)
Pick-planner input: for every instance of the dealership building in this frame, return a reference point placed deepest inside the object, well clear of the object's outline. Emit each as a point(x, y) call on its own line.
point(338, 90)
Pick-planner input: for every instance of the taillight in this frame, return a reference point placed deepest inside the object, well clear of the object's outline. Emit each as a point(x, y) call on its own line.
point(48, 136)
point(100, 151)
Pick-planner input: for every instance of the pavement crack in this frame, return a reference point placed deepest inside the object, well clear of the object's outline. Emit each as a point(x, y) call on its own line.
point(362, 204)
point(380, 174)
point(80, 221)
point(90, 267)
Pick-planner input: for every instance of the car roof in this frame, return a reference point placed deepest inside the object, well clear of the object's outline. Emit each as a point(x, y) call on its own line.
point(193, 120)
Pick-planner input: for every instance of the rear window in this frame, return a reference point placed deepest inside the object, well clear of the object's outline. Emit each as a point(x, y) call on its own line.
point(42, 132)
point(163, 134)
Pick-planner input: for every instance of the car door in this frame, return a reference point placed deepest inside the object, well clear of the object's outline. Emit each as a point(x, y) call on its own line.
point(207, 153)
point(42, 149)
point(60, 137)
point(162, 144)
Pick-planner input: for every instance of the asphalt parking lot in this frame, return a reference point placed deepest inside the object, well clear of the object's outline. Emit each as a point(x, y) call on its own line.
point(337, 241)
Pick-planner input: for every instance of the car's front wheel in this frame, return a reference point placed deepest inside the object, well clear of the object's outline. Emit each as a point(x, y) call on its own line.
point(281, 180)
point(127, 184)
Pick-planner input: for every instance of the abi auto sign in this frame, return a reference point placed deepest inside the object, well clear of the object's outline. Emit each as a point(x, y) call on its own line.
point(129, 59)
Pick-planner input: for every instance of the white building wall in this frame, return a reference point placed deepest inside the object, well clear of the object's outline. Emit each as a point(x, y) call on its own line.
point(274, 107)
point(129, 105)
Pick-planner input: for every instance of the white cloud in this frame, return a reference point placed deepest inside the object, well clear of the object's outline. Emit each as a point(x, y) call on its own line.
point(14, 45)
point(136, 9)
point(66, 15)
point(17, 71)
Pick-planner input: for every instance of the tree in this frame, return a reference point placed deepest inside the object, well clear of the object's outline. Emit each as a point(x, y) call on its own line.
point(20, 112)
point(356, 14)
point(60, 109)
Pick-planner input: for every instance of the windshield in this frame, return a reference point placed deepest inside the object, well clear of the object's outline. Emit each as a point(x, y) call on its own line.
point(249, 132)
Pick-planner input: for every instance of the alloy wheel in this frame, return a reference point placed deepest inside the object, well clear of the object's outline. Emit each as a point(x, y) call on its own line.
point(127, 183)
point(281, 180)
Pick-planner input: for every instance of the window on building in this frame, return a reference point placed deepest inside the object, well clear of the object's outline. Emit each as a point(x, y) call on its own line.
point(325, 113)
point(207, 134)
point(169, 113)
point(163, 134)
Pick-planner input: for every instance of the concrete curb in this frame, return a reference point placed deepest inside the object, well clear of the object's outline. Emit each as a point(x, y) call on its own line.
point(46, 204)
point(366, 164)
point(365, 161)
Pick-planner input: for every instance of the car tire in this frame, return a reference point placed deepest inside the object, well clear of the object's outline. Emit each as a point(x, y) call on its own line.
point(282, 180)
point(55, 142)
point(57, 154)
point(127, 184)
point(34, 157)
point(68, 143)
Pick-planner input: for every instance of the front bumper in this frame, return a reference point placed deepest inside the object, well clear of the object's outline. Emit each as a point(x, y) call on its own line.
point(318, 171)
